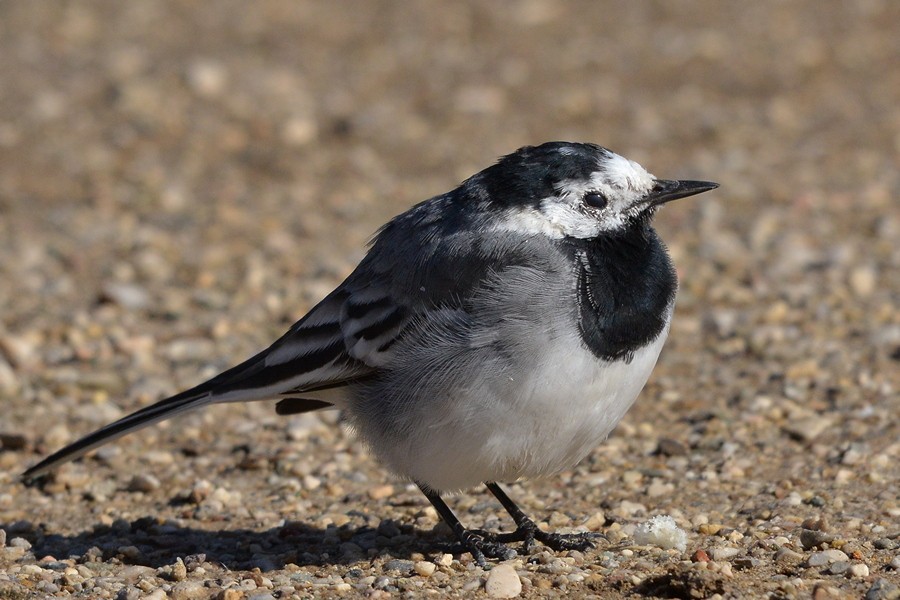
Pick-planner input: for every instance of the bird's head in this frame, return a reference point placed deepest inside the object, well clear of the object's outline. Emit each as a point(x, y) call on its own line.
point(573, 190)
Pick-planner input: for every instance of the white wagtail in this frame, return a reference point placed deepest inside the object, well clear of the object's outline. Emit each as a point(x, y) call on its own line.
point(496, 332)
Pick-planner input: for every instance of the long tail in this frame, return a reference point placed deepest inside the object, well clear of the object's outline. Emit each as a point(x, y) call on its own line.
point(228, 386)
point(164, 409)
point(277, 372)
point(311, 357)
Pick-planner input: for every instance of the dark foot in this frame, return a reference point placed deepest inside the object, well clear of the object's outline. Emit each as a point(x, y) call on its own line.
point(485, 544)
point(567, 541)
point(482, 546)
point(527, 532)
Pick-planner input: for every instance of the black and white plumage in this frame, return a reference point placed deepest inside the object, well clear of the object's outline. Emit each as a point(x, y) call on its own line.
point(496, 332)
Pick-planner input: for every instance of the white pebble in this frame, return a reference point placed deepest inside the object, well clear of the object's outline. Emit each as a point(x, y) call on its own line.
point(503, 582)
point(18, 542)
point(311, 483)
point(720, 554)
point(127, 295)
point(207, 77)
point(834, 554)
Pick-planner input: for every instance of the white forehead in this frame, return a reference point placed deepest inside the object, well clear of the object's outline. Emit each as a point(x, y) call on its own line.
point(625, 174)
point(615, 176)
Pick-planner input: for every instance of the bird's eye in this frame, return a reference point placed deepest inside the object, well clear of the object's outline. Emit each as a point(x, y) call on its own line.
point(595, 199)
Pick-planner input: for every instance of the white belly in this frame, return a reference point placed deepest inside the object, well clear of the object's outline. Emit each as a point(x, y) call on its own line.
point(568, 405)
point(502, 428)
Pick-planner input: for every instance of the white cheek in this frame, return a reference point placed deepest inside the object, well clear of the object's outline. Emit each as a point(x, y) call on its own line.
point(529, 223)
point(565, 217)
point(556, 219)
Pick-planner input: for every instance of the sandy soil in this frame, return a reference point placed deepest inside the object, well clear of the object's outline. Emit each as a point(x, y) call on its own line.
point(181, 181)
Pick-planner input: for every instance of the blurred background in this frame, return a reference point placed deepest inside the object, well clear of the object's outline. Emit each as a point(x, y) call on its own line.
point(180, 181)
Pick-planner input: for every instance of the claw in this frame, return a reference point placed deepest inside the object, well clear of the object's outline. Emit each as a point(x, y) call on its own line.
point(527, 532)
point(481, 545)
point(567, 541)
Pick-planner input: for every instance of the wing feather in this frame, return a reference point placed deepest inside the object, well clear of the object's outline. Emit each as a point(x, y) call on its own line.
point(420, 262)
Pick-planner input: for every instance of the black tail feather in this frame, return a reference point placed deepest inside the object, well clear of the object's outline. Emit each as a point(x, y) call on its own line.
point(296, 406)
point(163, 409)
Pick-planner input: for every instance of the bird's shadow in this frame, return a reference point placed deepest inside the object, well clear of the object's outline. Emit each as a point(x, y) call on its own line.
point(152, 543)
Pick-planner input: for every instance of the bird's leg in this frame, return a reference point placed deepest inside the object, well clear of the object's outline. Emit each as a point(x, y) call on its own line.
point(527, 530)
point(472, 541)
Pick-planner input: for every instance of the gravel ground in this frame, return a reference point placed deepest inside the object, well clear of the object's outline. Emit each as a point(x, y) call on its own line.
point(180, 181)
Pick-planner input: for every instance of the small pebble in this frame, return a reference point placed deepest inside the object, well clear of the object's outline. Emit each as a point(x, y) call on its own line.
point(193, 561)
point(882, 589)
point(132, 553)
point(405, 567)
point(143, 482)
point(381, 492)
point(130, 296)
point(670, 447)
point(207, 77)
point(709, 528)
point(818, 559)
point(809, 428)
point(659, 488)
point(839, 567)
point(814, 539)
point(18, 542)
point(788, 555)
point(858, 570)
point(503, 582)
point(863, 281)
point(726, 553)
point(388, 528)
point(424, 568)
point(595, 521)
point(129, 592)
point(189, 590)
point(134, 572)
point(844, 476)
point(12, 441)
point(311, 483)
point(179, 571)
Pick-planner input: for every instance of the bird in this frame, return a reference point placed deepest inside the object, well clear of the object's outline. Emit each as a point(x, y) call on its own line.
point(491, 334)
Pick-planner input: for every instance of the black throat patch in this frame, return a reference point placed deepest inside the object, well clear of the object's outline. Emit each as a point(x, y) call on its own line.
point(626, 284)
